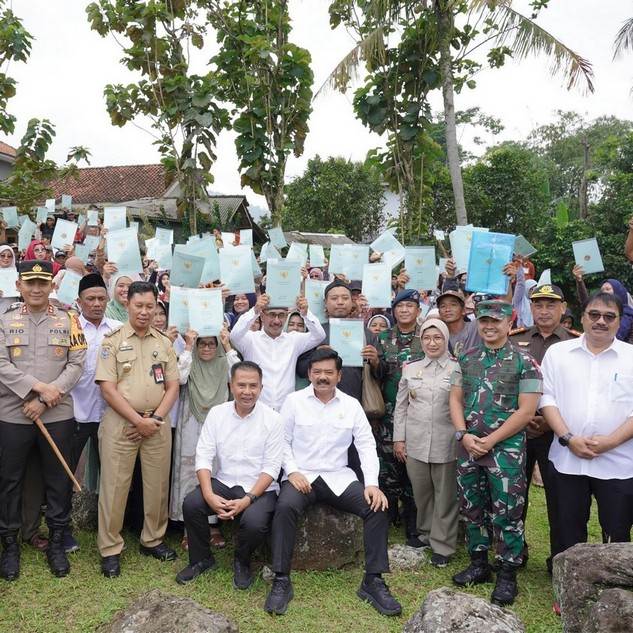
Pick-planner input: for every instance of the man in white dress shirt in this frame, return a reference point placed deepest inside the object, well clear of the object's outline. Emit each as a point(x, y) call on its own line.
point(588, 402)
point(88, 404)
point(274, 350)
point(245, 438)
point(320, 423)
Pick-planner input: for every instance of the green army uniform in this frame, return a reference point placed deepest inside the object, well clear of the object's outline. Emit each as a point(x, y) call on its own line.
point(395, 348)
point(492, 489)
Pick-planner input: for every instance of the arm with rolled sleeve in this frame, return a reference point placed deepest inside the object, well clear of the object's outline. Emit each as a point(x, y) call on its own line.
point(274, 449)
point(11, 377)
point(365, 444)
point(289, 463)
point(400, 411)
point(241, 335)
point(315, 333)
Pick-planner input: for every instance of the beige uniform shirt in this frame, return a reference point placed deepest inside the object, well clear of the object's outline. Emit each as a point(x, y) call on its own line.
point(45, 347)
point(422, 418)
point(132, 363)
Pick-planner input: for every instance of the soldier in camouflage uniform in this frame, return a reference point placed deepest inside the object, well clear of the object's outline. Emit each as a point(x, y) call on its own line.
point(494, 395)
point(399, 345)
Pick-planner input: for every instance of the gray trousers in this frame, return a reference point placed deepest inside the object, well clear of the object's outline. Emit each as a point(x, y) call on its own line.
point(435, 494)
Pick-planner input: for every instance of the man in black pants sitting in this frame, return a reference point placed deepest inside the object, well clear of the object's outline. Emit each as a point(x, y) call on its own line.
point(320, 423)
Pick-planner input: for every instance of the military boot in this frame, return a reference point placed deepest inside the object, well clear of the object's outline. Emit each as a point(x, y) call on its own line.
point(10, 559)
point(476, 573)
point(506, 588)
point(56, 554)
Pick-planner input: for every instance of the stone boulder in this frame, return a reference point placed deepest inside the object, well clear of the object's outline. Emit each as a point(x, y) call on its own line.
point(84, 513)
point(328, 539)
point(448, 611)
point(158, 612)
point(583, 578)
point(405, 558)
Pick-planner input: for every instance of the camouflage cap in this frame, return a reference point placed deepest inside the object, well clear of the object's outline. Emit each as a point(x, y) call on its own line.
point(494, 309)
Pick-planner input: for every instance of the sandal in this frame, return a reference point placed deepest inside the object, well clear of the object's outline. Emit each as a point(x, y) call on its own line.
point(217, 540)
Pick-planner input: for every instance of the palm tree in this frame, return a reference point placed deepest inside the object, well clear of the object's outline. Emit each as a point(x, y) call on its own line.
point(514, 30)
point(624, 39)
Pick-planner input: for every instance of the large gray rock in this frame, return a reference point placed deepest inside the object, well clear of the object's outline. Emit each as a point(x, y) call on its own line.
point(581, 575)
point(405, 558)
point(448, 611)
point(612, 612)
point(328, 539)
point(158, 612)
point(84, 513)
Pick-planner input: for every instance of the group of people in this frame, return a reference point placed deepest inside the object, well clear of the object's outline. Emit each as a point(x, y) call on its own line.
point(262, 421)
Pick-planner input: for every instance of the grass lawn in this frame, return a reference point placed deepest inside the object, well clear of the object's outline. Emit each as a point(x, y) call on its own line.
point(323, 602)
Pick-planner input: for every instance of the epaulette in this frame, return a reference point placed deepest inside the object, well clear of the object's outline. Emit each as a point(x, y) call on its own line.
point(572, 331)
point(111, 332)
point(518, 330)
point(14, 306)
point(163, 333)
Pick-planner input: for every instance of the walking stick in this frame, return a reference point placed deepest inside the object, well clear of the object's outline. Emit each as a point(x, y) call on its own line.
point(60, 457)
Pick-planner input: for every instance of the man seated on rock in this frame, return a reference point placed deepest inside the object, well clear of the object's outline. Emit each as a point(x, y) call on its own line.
point(320, 423)
point(245, 438)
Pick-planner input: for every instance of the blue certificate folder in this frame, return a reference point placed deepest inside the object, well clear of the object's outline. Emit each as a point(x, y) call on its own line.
point(186, 269)
point(236, 269)
point(179, 308)
point(587, 255)
point(377, 285)
point(461, 239)
point(348, 260)
point(206, 311)
point(283, 282)
point(419, 262)
point(347, 337)
point(277, 237)
point(315, 291)
point(489, 253)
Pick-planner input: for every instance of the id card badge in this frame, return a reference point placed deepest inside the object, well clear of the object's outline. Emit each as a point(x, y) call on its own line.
point(158, 373)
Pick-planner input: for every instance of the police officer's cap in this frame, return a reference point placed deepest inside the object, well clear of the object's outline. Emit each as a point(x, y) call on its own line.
point(35, 269)
point(494, 309)
point(547, 291)
point(408, 294)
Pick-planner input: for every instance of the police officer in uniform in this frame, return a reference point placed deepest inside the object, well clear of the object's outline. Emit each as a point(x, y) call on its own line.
point(548, 307)
point(397, 346)
point(42, 350)
point(138, 375)
point(494, 394)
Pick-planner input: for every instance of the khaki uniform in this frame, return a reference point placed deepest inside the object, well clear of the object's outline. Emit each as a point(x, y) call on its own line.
point(132, 362)
point(422, 420)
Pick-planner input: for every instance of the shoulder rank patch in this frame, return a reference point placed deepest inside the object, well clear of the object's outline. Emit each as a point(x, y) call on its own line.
point(574, 332)
point(518, 330)
point(114, 331)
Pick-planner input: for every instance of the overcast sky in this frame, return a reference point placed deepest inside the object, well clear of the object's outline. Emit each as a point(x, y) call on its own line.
point(70, 65)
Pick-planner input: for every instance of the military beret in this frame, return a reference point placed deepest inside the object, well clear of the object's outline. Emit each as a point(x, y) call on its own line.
point(408, 294)
point(35, 269)
point(494, 309)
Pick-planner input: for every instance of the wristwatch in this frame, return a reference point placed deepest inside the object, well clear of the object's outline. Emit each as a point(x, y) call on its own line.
point(459, 435)
point(157, 417)
point(251, 496)
point(563, 440)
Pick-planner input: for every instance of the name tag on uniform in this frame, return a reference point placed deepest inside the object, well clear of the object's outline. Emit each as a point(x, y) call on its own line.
point(158, 374)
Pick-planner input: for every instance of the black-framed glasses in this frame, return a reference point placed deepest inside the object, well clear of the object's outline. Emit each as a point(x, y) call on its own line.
point(596, 315)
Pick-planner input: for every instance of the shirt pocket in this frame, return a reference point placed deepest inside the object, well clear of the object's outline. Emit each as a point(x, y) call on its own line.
point(18, 346)
point(506, 391)
point(621, 389)
point(125, 362)
point(58, 345)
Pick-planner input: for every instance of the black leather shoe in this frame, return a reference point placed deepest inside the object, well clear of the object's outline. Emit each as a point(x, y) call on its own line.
point(159, 552)
point(476, 573)
point(191, 572)
point(242, 576)
point(506, 588)
point(416, 541)
point(110, 566)
point(56, 555)
point(375, 591)
point(280, 595)
point(10, 559)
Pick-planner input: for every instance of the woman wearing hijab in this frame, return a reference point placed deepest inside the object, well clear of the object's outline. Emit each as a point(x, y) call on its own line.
point(378, 323)
point(204, 376)
point(37, 250)
point(424, 438)
point(117, 306)
point(163, 286)
point(240, 305)
point(7, 260)
point(614, 287)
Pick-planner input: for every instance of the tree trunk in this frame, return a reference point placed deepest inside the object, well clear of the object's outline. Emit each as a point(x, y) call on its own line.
point(445, 26)
point(583, 201)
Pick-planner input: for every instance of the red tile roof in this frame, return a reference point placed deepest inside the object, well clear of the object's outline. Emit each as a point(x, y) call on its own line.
point(97, 185)
point(5, 148)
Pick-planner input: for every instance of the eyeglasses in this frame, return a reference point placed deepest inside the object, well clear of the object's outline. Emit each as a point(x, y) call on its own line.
point(595, 316)
point(209, 344)
point(434, 339)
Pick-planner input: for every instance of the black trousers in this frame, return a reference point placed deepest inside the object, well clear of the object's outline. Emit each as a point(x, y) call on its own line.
point(83, 432)
point(614, 498)
point(292, 503)
point(538, 452)
point(16, 441)
point(254, 522)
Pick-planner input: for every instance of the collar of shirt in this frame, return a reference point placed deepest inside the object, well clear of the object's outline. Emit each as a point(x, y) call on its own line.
point(441, 361)
point(581, 344)
point(105, 323)
point(249, 415)
point(311, 394)
point(129, 331)
point(283, 335)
